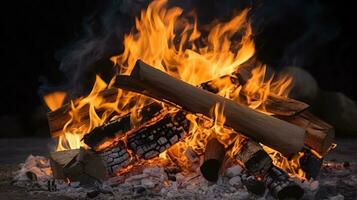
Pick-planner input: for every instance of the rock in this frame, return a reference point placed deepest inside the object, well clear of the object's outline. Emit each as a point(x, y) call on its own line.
point(93, 194)
point(235, 181)
point(304, 86)
point(233, 171)
point(337, 197)
point(338, 110)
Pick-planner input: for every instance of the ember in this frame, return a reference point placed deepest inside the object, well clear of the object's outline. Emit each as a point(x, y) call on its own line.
point(189, 98)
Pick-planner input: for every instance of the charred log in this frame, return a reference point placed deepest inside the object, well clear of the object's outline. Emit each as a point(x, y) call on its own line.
point(279, 185)
point(213, 159)
point(147, 142)
point(120, 126)
point(116, 157)
point(310, 164)
point(151, 140)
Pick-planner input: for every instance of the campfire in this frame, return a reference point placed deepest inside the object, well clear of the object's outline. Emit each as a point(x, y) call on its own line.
point(194, 100)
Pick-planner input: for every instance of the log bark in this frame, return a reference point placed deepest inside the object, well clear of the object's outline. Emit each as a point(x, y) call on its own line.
point(213, 159)
point(280, 135)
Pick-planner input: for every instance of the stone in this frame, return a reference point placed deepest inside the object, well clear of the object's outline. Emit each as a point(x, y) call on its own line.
point(233, 171)
point(235, 181)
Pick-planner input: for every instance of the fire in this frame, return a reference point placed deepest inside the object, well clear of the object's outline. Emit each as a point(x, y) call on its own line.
point(54, 100)
point(174, 44)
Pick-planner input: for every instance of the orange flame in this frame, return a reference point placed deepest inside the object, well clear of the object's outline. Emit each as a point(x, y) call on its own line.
point(54, 100)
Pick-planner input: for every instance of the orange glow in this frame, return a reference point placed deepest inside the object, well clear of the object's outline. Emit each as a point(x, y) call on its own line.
point(168, 41)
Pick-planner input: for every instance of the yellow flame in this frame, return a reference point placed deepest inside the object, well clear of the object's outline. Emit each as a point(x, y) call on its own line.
point(173, 43)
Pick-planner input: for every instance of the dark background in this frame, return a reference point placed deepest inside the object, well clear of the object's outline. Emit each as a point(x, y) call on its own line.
point(33, 32)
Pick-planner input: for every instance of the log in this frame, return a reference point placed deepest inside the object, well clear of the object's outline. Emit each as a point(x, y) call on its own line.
point(60, 117)
point(258, 163)
point(310, 164)
point(118, 127)
point(319, 134)
point(273, 132)
point(146, 142)
point(277, 105)
point(280, 186)
point(251, 156)
point(84, 166)
point(213, 159)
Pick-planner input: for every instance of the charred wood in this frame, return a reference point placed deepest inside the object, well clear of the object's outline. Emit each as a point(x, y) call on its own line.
point(280, 186)
point(213, 159)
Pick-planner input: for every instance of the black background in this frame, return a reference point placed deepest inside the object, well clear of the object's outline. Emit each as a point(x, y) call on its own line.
point(32, 32)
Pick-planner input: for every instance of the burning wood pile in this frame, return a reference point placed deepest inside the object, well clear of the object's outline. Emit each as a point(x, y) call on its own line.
point(192, 104)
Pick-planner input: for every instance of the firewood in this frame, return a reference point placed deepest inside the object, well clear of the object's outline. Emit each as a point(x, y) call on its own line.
point(319, 134)
point(310, 164)
point(251, 156)
point(213, 158)
point(59, 159)
point(118, 127)
point(80, 165)
point(280, 186)
point(277, 105)
point(258, 163)
point(151, 140)
point(146, 142)
point(58, 118)
point(273, 132)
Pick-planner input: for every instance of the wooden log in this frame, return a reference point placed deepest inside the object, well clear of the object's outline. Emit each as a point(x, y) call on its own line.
point(251, 156)
point(280, 186)
point(80, 165)
point(277, 105)
point(118, 127)
point(60, 117)
point(258, 163)
point(319, 135)
point(213, 159)
point(145, 143)
point(278, 134)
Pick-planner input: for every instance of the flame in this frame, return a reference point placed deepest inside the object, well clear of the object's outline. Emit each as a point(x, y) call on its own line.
point(54, 100)
point(173, 43)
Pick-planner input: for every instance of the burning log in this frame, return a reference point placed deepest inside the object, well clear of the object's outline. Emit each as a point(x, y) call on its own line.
point(147, 142)
point(120, 126)
point(213, 158)
point(116, 157)
point(151, 140)
point(258, 163)
point(260, 127)
point(80, 165)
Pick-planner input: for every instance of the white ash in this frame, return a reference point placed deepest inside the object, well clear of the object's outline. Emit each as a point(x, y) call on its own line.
point(337, 181)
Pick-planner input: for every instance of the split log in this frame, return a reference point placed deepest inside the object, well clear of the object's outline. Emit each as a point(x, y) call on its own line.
point(278, 134)
point(310, 164)
point(213, 159)
point(80, 165)
point(319, 134)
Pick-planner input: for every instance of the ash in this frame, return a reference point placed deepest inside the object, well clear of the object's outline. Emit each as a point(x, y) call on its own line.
point(337, 181)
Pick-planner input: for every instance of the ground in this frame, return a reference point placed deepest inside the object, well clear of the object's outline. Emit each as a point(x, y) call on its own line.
point(15, 151)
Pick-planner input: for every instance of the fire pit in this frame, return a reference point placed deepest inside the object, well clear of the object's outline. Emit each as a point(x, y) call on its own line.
point(190, 113)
